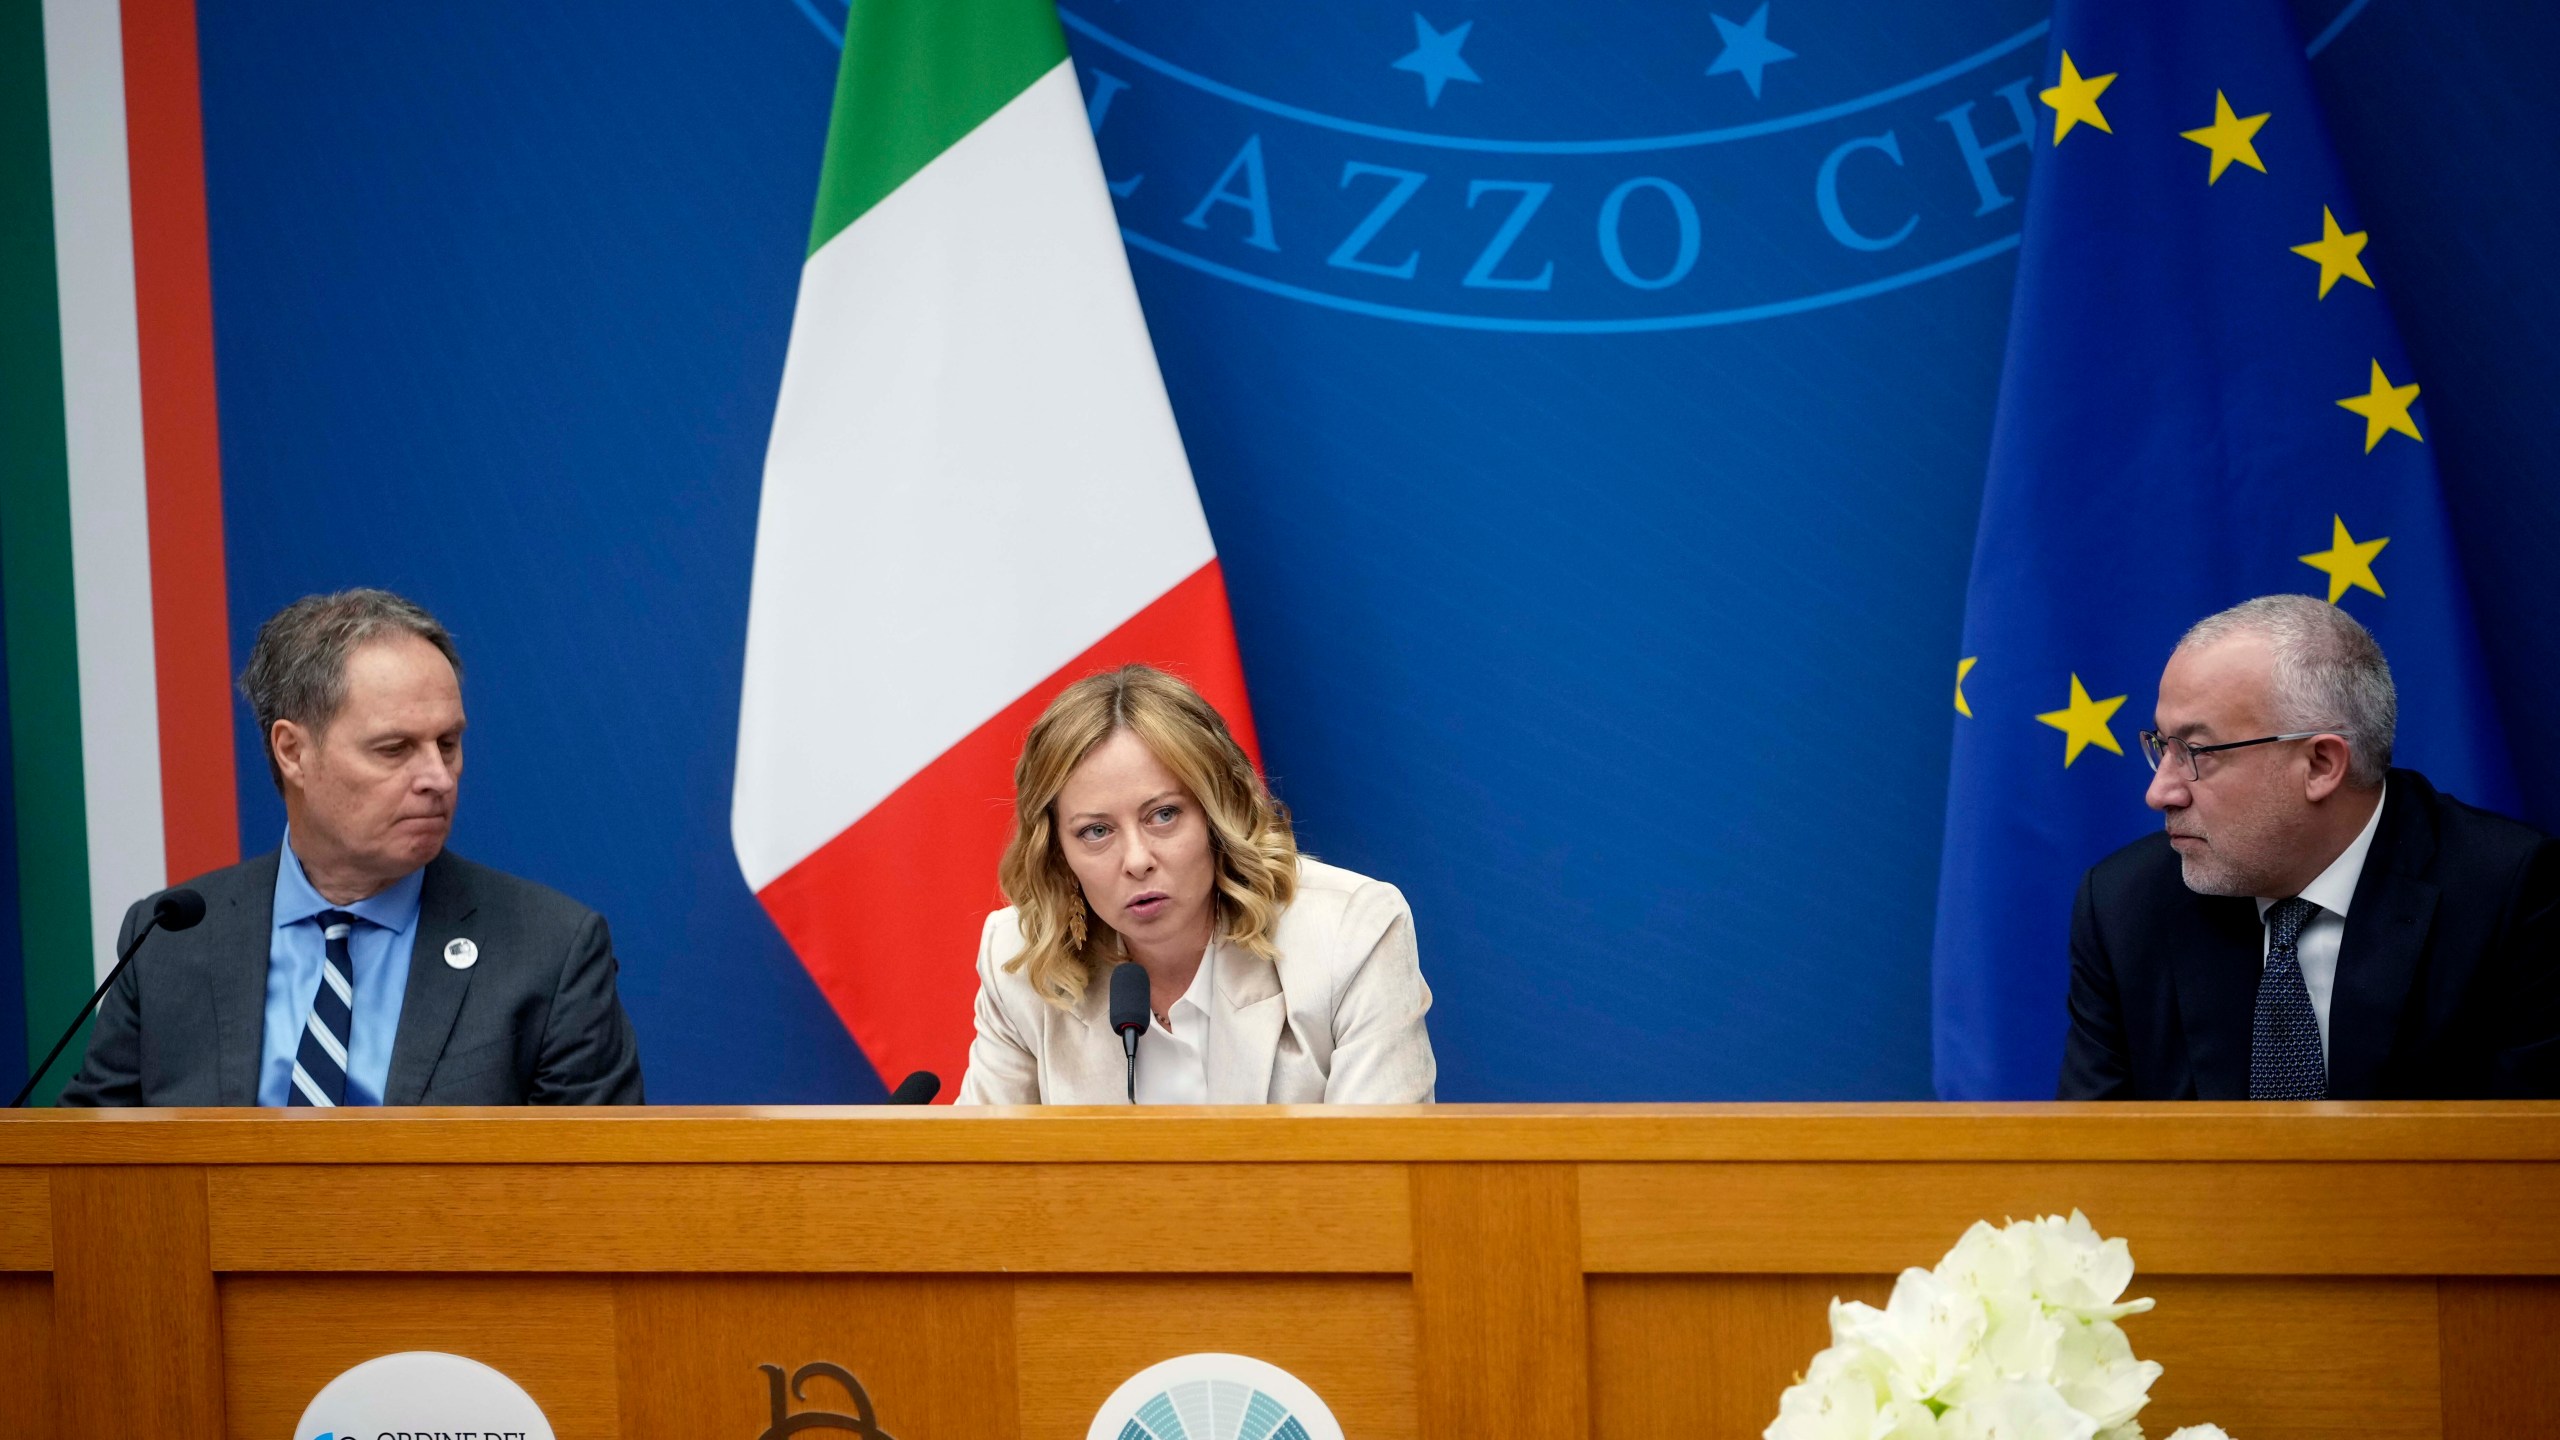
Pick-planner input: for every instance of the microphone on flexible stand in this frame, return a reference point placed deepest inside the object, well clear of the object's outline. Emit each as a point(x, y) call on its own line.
point(176, 909)
point(917, 1089)
point(1129, 1013)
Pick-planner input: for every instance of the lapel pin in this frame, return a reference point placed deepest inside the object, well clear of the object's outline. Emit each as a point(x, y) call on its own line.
point(461, 954)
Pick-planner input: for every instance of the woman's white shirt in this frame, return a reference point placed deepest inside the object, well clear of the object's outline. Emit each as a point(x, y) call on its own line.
point(1336, 1018)
point(1173, 1057)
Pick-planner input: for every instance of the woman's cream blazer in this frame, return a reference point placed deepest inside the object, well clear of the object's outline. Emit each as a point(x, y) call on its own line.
point(1337, 1019)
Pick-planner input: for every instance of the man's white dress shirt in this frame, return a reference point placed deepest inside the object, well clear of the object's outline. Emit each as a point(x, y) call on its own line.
point(2316, 948)
point(1173, 1058)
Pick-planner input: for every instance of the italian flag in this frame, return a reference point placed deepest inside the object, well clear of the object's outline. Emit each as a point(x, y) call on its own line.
point(974, 495)
point(119, 766)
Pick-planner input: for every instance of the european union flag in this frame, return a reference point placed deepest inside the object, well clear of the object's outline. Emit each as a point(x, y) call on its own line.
point(2204, 400)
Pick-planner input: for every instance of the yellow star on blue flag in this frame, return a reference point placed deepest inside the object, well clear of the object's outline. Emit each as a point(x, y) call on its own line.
point(2348, 562)
point(2083, 723)
point(2231, 139)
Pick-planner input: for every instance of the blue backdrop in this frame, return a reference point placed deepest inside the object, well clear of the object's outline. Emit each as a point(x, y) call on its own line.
point(1590, 403)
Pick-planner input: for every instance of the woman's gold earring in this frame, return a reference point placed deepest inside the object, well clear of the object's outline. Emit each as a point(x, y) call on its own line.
point(1075, 922)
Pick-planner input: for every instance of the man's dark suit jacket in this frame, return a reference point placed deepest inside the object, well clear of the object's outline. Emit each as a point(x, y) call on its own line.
point(535, 1021)
point(2448, 977)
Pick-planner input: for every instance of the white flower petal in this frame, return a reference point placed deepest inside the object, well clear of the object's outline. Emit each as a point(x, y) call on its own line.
point(1837, 1400)
point(2014, 1408)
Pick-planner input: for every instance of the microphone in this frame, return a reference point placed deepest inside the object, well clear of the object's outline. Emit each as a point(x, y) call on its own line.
point(917, 1089)
point(177, 909)
point(1129, 1013)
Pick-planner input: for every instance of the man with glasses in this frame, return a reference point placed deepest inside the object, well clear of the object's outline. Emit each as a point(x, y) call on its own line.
point(2310, 923)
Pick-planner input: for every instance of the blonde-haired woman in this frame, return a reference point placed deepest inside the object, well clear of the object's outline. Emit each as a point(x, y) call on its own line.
point(1142, 833)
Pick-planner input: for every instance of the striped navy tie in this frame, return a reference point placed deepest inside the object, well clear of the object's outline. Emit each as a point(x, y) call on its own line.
point(320, 1066)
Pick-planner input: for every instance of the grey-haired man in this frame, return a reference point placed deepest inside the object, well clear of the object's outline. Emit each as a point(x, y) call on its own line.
point(360, 963)
point(2308, 923)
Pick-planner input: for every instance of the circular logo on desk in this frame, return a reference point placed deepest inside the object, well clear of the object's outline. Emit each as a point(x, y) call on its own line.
point(422, 1393)
point(1214, 1397)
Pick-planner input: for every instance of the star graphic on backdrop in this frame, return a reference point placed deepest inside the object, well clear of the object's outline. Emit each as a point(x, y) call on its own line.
point(2084, 723)
point(2075, 99)
point(1748, 50)
point(1964, 667)
point(2338, 252)
point(2230, 137)
point(2385, 407)
point(2347, 562)
point(1435, 58)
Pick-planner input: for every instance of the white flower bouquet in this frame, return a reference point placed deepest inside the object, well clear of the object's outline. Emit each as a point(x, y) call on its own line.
point(2012, 1337)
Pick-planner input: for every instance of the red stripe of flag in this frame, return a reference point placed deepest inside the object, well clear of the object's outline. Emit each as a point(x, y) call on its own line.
point(886, 915)
point(181, 435)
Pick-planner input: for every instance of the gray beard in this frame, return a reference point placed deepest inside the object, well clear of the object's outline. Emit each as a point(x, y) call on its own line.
point(2242, 860)
point(2209, 875)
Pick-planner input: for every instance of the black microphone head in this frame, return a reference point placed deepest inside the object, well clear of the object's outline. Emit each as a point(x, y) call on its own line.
point(917, 1089)
point(178, 909)
point(1129, 1013)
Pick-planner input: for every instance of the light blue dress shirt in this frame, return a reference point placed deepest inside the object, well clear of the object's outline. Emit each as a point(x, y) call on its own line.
point(380, 944)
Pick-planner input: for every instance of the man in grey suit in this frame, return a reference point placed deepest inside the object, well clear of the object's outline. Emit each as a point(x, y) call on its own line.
point(361, 964)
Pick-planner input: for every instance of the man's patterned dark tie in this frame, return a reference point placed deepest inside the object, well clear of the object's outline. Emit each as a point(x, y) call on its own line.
point(2285, 1062)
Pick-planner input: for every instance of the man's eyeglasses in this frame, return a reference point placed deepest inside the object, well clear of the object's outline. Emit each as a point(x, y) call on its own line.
point(2162, 749)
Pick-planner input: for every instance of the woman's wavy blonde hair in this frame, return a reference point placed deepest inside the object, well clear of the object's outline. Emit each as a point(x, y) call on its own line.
point(1249, 834)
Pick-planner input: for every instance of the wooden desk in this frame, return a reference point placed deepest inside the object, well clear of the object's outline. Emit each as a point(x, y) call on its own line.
point(1623, 1272)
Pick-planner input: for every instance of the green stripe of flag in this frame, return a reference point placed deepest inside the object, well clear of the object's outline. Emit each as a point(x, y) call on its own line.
point(35, 555)
point(916, 76)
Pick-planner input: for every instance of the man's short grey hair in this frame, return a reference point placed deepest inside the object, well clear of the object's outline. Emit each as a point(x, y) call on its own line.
point(2329, 674)
point(298, 669)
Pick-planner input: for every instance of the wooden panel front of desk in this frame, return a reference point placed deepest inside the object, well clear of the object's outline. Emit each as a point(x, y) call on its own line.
point(1615, 1272)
